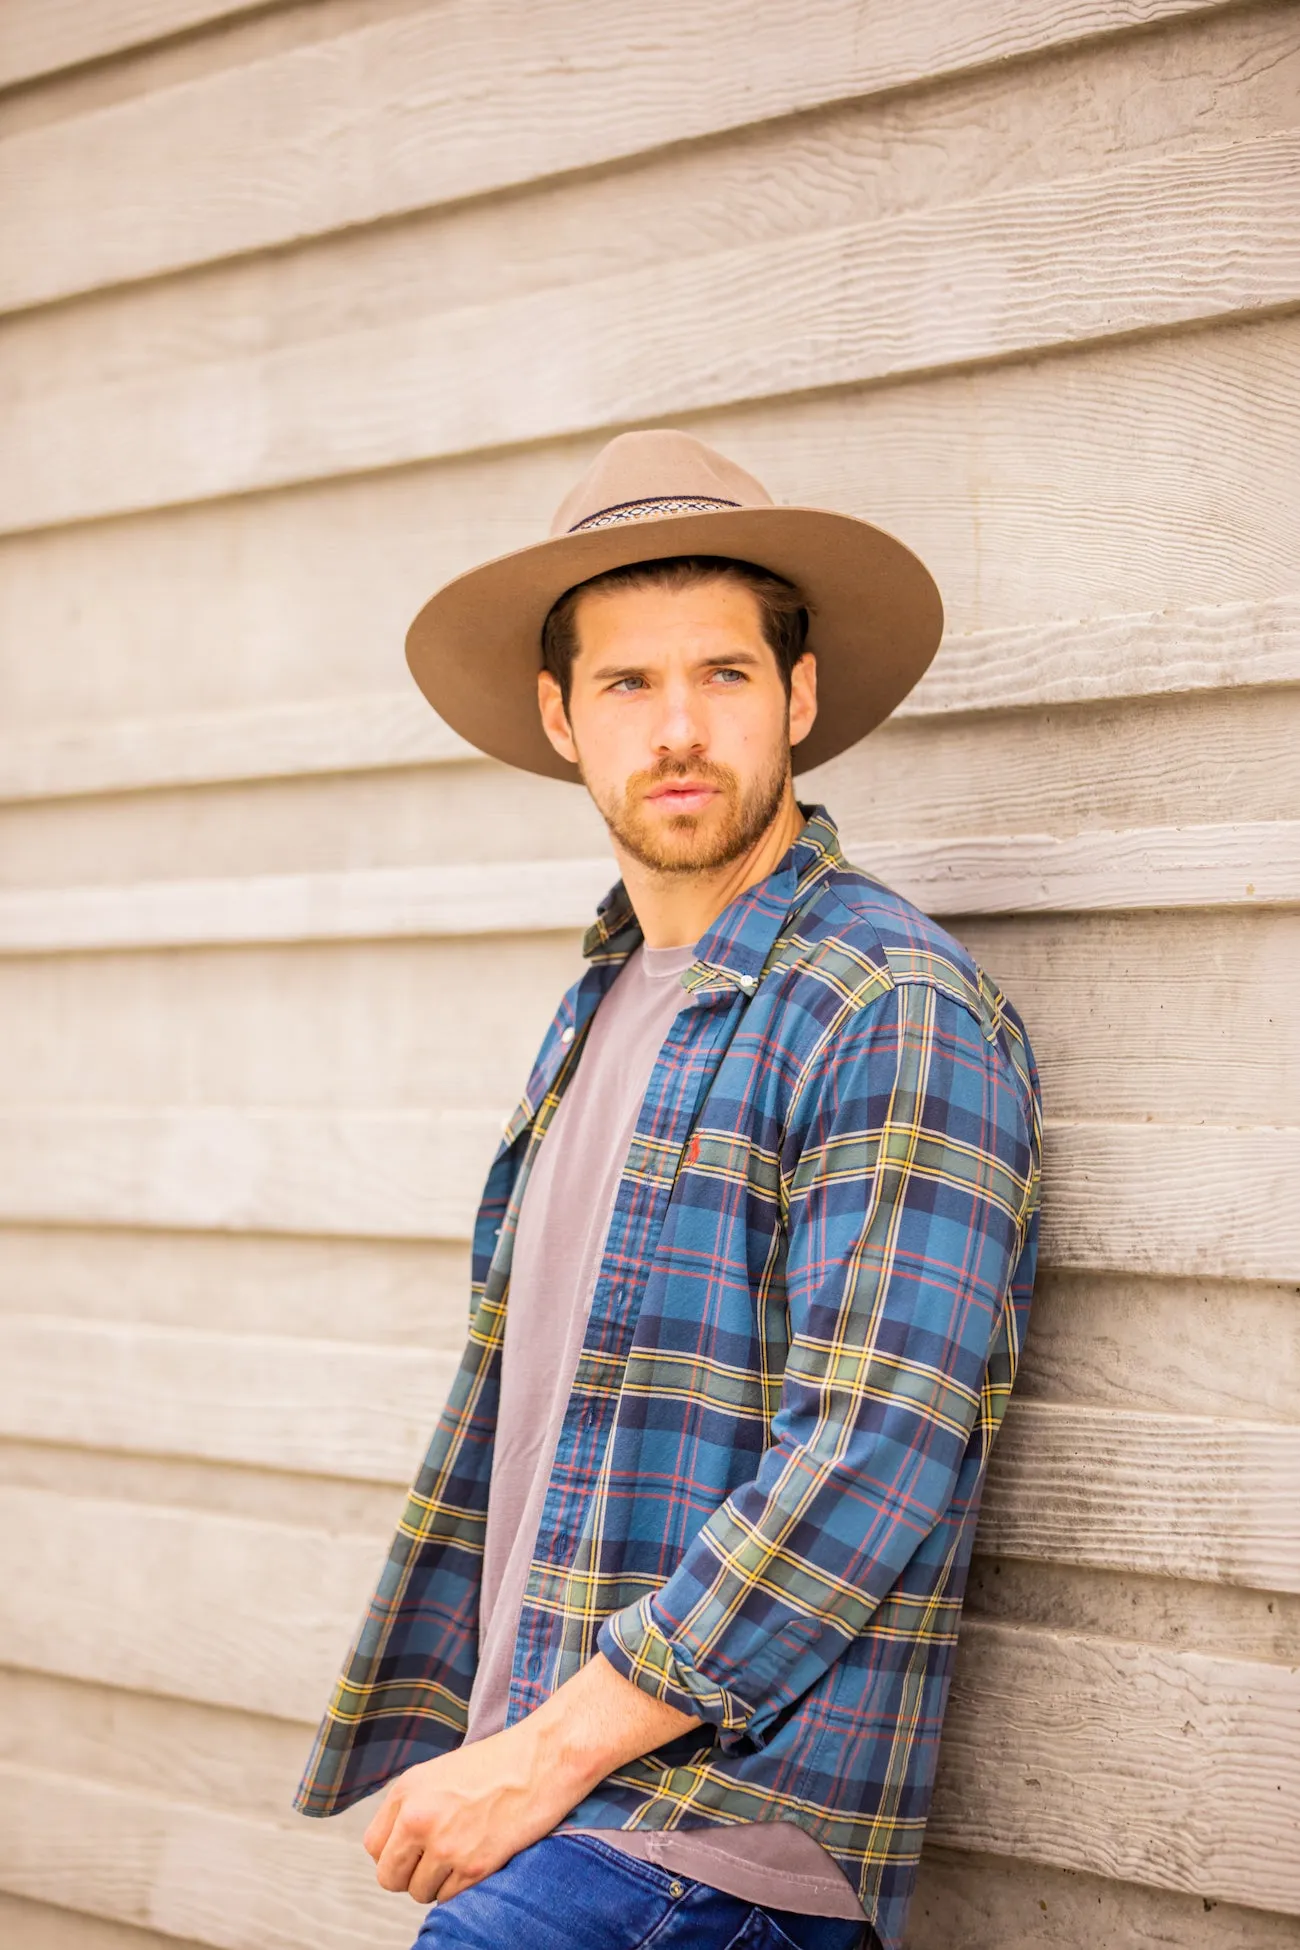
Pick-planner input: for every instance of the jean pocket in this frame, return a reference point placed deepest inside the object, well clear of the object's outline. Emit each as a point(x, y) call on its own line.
point(817, 1933)
point(662, 1881)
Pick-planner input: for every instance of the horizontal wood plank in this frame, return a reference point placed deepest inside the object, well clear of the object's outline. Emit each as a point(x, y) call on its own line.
point(223, 1610)
point(1167, 1347)
point(1207, 647)
point(198, 1873)
point(1231, 1621)
point(967, 1901)
point(1172, 1496)
point(333, 1408)
point(1168, 762)
point(1131, 1015)
point(454, 102)
point(349, 734)
point(43, 37)
point(222, 1759)
point(28, 1925)
point(1102, 1755)
point(403, 1175)
point(212, 1755)
point(1210, 235)
point(1207, 1200)
point(380, 1292)
point(980, 1902)
point(483, 897)
point(1249, 865)
point(306, 596)
point(1178, 1496)
point(1111, 1757)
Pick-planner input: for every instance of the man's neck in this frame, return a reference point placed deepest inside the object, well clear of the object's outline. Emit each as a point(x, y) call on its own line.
point(674, 910)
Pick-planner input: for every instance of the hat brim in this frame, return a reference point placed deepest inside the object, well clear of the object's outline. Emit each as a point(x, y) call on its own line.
point(875, 622)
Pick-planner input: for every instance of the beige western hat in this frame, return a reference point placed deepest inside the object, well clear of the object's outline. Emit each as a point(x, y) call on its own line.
point(875, 614)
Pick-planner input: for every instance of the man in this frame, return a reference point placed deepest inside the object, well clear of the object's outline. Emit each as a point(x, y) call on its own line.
point(663, 1644)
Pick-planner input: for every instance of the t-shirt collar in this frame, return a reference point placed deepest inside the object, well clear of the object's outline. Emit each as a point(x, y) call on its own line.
point(735, 949)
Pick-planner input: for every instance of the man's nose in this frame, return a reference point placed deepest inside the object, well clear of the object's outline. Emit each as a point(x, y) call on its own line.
point(679, 726)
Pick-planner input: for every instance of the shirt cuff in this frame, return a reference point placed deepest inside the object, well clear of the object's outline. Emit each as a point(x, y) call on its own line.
point(635, 1645)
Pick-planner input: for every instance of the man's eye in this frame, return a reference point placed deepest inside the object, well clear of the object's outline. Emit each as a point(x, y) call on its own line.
point(728, 676)
point(626, 683)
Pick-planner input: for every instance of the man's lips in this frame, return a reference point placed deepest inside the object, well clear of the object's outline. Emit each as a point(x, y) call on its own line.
point(678, 795)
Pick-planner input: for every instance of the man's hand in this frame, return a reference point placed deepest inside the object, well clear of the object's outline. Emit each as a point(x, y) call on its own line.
point(448, 1823)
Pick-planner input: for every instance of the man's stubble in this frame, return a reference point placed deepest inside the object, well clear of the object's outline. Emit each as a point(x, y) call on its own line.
point(686, 843)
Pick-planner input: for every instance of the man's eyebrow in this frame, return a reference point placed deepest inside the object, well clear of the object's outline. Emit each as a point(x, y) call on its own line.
point(717, 660)
point(607, 671)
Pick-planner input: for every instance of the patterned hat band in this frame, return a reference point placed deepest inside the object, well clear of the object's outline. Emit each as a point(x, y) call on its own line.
point(649, 510)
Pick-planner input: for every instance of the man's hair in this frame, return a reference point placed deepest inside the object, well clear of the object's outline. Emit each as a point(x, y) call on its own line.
point(783, 614)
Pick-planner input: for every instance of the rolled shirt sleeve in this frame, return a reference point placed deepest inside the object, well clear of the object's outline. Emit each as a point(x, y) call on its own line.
point(910, 1178)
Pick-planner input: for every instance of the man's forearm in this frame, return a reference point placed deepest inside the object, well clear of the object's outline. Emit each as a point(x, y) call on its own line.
point(596, 1722)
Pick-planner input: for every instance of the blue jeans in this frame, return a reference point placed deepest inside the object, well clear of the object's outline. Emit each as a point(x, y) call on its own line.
point(574, 1892)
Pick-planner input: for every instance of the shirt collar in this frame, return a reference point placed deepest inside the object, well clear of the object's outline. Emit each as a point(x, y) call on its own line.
point(735, 949)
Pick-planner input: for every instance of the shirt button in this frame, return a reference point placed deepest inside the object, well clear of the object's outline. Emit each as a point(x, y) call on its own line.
point(566, 1035)
point(748, 981)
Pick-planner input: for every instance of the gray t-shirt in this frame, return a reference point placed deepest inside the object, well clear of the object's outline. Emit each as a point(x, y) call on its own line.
point(561, 1233)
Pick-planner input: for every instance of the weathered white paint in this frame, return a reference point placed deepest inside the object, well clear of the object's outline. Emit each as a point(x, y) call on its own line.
point(1251, 865)
point(1214, 234)
point(464, 100)
point(1224, 646)
point(40, 37)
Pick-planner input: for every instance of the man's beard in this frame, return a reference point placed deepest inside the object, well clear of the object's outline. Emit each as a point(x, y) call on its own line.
point(685, 843)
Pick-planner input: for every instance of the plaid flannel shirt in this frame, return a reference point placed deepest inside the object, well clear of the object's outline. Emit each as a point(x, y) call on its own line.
point(805, 1326)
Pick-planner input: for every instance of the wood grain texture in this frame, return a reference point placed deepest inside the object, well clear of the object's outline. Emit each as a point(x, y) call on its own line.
point(1174, 1496)
point(1210, 235)
point(1224, 646)
point(1169, 1347)
point(41, 37)
point(1114, 1737)
point(1230, 1621)
point(1020, 485)
point(337, 1504)
point(454, 103)
point(40, 1926)
point(1213, 77)
point(333, 1408)
point(390, 729)
point(1171, 761)
point(1205, 1200)
point(1140, 1014)
point(222, 1610)
point(965, 1901)
point(1116, 1758)
point(414, 1175)
point(1180, 1496)
point(206, 1754)
point(379, 1292)
point(1252, 864)
point(1131, 1015)
point(192, 1872)
point(1211, 1201)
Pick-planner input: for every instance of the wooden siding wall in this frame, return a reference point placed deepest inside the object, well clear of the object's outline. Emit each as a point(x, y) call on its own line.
point(307, 307)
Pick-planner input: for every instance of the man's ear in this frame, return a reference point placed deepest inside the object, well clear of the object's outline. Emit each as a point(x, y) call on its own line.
point(555, 719)
point(803, 697)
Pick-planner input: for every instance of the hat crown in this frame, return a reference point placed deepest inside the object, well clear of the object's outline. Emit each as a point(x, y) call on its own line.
point(644, 476)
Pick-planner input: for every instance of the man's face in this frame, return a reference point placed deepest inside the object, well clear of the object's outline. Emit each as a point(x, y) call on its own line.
point(678, 720)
